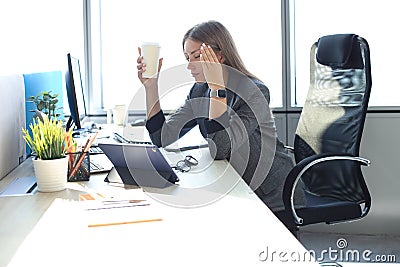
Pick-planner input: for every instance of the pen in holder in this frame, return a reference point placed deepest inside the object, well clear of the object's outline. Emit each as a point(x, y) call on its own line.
point(78, 166)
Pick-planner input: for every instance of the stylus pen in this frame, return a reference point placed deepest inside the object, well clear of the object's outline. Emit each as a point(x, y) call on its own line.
point(120, 138)
point(185, 148)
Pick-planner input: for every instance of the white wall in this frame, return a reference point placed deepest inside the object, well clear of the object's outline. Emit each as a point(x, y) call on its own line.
point(12, 119)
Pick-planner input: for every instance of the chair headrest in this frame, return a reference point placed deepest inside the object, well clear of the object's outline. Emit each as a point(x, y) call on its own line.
point(340, 51)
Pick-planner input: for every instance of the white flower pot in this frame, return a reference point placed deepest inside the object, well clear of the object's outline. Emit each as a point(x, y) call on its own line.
point(51, 175)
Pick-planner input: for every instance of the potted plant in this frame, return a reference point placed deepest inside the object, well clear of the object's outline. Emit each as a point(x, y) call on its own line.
point(46, 102)
point(49, 142)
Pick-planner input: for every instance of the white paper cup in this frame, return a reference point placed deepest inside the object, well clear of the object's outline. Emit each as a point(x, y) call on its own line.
point(151, 55)
point(119, 115)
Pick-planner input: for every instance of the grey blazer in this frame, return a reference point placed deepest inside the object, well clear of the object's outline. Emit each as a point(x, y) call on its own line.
point(245, 135)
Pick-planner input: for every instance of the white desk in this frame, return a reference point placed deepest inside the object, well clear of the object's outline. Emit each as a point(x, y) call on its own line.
point(234, 229)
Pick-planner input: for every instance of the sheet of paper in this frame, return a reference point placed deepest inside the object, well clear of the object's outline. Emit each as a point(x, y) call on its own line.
point(118, 211)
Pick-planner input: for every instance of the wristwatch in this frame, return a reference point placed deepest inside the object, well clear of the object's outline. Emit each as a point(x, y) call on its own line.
point(219, 93)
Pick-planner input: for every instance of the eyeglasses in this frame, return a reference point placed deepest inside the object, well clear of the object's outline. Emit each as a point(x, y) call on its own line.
point(186, 164)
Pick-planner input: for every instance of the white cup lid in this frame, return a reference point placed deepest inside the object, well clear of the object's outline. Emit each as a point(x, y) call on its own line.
point(150, 43)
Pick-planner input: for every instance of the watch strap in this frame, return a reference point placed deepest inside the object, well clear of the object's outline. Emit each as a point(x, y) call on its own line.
point(220, 93)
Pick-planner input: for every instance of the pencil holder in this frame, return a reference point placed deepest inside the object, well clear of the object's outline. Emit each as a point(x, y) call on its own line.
point(78, 166)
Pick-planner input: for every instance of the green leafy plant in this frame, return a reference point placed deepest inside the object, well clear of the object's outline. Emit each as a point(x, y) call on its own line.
point(48, 138)
point(46, 102)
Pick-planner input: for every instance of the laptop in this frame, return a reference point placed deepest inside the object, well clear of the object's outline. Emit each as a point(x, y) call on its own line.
point(139, 164)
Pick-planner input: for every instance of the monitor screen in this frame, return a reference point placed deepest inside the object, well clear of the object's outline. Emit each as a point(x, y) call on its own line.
point(75, 93)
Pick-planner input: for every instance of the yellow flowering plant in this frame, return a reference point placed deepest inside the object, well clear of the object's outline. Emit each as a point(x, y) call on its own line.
point(48, 138)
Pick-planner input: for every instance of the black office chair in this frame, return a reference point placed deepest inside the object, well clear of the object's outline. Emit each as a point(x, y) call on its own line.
point(328, 136)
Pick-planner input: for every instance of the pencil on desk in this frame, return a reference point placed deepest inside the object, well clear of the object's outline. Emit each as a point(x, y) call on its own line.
point(121, 223)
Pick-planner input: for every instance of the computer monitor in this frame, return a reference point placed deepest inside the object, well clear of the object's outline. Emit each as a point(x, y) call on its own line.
point(75, 93)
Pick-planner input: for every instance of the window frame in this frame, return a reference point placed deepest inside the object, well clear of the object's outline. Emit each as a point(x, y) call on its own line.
point(93, 50)
point(292, 61)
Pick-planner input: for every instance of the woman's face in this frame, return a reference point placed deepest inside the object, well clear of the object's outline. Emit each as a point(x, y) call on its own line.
point(191, 50)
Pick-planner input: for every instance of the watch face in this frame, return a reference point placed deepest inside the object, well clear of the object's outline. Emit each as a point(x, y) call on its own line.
point(221, 93)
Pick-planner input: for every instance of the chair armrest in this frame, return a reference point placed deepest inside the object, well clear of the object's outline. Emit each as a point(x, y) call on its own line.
point(295, 174)
point(290, 149)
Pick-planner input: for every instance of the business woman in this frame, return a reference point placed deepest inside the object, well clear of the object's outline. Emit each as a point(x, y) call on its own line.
point(231, 107)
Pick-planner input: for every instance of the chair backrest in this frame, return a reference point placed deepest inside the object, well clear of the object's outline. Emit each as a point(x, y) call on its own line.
point(333, 115)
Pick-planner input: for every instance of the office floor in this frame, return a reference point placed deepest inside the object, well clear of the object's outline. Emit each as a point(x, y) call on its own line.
point(352, 248)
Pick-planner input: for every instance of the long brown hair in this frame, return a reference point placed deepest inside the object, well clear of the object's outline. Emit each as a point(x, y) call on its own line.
point(215, 34)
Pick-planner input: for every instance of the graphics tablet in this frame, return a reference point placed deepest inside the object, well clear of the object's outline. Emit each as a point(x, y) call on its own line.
point(139, 164)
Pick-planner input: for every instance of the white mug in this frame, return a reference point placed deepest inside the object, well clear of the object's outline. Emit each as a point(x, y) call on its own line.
point(119, 115)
